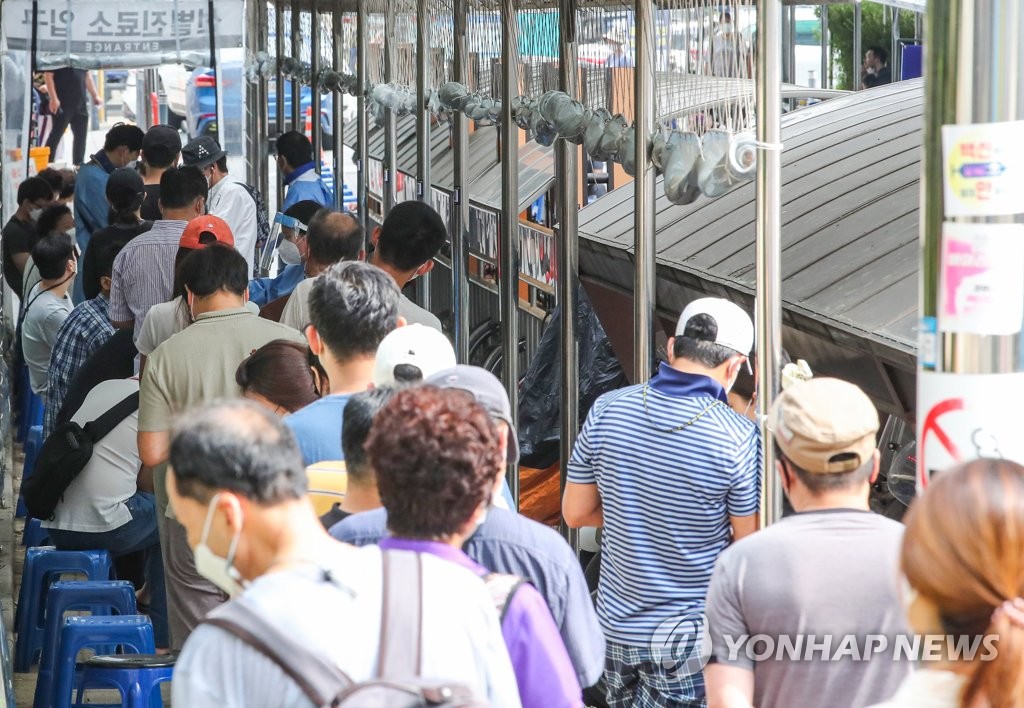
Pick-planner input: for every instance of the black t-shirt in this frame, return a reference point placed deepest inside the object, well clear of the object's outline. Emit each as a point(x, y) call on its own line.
point(116, 235)
point(884, 76)
point(151, 207)
point(70, 86)
point(18, 237)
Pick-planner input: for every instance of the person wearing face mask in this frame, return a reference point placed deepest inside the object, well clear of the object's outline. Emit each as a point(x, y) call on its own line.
point(48, 304)
point(166, 319)
point(672, 474)
point(295, 162)
point(144, 269)
point(436, 454)
point(830, 569)
point(161, 149)
point(121, 148)
point(19, 234)
point(191, 368)
point(293, 245)
point(85, 330)
point(238, 486)
point(54, 219)
point(126, 194)
point(229, 198)
point(505, 542)
point(404, 248)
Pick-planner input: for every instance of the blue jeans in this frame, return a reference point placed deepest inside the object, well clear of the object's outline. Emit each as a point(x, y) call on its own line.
point(139, 534)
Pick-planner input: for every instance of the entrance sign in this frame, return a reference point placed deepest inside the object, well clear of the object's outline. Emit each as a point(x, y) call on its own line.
point(110, 34)
point(966, 416)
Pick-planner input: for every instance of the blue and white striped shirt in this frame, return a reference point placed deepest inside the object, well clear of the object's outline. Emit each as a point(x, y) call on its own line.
point(667, 495)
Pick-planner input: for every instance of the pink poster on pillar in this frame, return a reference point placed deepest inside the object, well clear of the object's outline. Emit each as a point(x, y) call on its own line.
point(981, 284)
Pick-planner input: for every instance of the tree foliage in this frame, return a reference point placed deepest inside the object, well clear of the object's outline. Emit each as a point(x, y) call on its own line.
point(876, 30)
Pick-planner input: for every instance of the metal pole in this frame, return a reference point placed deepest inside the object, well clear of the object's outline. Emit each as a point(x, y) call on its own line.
point(297, 53)
point(787, 43)
point(362, 120)
point(508, 258)
point(895, 60)
point(253, 98)
point(826, 79)
point(338, 109)
point(768, 317)
point(390, 135)
point(314, 92)
point(858, 50)
point(279, 88)
point(643, 194)
point(459, 228)
point(972, 362)
point(567, 177)
point(424, 63)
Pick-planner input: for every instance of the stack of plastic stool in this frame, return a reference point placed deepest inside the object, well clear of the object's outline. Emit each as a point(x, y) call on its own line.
point(136, 676)
point(43, 565)
point(100, 597)
point(133, 633)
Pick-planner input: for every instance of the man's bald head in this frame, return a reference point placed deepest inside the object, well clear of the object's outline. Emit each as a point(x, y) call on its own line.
point(237, 446)
point(333, 236)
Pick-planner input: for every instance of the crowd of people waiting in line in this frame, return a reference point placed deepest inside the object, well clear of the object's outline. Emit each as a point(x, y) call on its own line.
point(307, 452)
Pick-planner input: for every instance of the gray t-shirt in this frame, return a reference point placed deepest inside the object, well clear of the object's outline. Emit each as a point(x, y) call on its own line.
point(46, 313)
point(819, 574)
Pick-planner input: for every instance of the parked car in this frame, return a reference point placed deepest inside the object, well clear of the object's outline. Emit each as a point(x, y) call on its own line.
point(172, 84)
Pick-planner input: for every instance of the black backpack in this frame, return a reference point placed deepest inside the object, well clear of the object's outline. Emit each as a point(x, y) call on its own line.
point(262, 223)
point(398, 683)
point(64, 454)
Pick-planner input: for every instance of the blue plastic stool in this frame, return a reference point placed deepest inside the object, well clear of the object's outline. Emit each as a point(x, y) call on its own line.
point(43, 565)
point(33, 443)
point(100, 597)
point(22, 402)
point(32, 409)
point(134, 632)
point(34, 534)
point(136, 676)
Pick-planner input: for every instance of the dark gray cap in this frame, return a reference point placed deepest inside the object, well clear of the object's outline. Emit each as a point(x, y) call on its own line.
point(487, 390)
point(202, 152)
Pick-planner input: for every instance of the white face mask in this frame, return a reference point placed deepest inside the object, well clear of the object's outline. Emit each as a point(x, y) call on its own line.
point(289, 252)
point(71, 232)
point(217, 570)
point(33, 214)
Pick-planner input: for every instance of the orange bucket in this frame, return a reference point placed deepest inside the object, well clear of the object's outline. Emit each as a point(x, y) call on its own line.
point(41, 156)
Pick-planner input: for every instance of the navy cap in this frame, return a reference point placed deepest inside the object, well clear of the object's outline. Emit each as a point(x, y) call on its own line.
point(202, 152)
point(123, 186)
point(160, 144)
point(487, 390)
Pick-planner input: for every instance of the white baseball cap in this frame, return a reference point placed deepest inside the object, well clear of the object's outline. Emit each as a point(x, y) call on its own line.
point(735, 328)
point(409, 348)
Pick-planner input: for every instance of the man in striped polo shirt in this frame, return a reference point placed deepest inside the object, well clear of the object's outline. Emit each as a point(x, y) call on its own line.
point(673, 475)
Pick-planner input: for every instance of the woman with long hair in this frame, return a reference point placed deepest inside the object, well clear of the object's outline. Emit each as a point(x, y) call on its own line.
point(963, 558)
point(125, 194)
point(278, 376)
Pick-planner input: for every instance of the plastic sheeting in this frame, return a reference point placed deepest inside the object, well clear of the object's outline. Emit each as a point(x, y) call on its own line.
point(539, 403)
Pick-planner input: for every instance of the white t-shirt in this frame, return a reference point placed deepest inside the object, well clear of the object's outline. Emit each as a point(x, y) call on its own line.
point(94, 501)
point(46, 313)
point(231, 201)
point(296, 311)
point(165, 320)
point(340, 621)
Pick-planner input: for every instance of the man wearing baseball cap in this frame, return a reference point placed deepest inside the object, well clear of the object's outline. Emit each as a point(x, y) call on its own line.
point(507, 542)
point(672, 473)
point(229, 198)
point(830, 570)
point(410, 354)
point(161, 149)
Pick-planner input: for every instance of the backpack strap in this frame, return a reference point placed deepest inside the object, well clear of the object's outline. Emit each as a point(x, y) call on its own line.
point(502, 588)
point(101, 427)
point(320, 680)
point(401, 615)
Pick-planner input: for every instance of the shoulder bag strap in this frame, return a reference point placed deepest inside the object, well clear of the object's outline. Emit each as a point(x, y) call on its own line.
point(401, 616)
point(101, 427)
point(318, 679)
